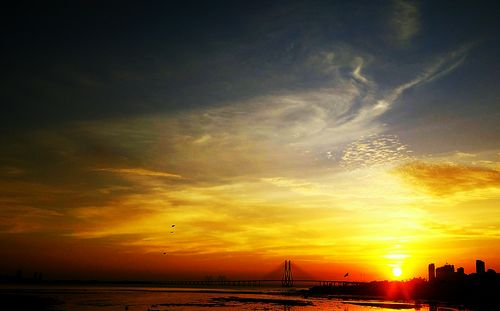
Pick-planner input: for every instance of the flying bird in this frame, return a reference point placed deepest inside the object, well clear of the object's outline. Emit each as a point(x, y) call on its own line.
point(173, 226)
point(164, 253)
point(346, 275)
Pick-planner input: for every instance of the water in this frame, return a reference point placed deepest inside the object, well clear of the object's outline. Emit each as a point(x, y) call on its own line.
point(182, 299)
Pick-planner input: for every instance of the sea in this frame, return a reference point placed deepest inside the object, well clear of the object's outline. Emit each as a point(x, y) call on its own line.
point(135, 298)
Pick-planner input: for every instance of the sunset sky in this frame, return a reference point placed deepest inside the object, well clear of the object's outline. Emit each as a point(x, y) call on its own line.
point(346, 136)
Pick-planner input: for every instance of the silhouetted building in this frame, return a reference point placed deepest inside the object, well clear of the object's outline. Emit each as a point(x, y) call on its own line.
point(446, 272)
point(461, 271)
point(480, 268)
point(491, 271)
point(432, 272)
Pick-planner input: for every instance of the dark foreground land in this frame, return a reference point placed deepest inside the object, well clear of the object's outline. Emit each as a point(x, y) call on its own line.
point(31, 302)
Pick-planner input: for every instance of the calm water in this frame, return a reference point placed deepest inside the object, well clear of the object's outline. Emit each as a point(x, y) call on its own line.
point(163, 299)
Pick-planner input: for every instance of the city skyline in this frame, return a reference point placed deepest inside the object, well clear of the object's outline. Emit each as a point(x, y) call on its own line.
point(447, 271)
point(149, 140)
point(443, 273)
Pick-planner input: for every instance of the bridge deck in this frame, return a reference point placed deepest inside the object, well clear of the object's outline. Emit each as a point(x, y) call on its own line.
point(258, 283)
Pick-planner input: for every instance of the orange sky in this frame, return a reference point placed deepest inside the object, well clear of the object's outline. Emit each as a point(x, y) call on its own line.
point(242, 216)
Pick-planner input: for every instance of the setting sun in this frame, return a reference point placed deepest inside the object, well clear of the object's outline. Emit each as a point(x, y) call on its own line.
point(396, 271)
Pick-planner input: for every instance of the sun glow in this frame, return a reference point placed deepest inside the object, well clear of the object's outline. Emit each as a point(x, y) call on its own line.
point(396, 271)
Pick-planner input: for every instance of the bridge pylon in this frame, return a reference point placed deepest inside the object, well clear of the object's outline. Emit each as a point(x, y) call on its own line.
point(287, 279)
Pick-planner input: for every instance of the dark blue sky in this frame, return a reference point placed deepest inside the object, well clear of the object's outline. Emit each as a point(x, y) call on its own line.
point(92, 60)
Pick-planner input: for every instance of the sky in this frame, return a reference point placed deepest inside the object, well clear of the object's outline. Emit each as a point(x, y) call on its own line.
point(346, 136)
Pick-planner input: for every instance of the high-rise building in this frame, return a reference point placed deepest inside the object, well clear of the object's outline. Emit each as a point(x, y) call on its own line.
point(480, 268)
point(445, 272)
point(432, 272)
point(461, 271)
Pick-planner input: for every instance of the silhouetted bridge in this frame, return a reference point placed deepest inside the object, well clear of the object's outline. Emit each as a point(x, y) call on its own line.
point(259, 283)
point(286, 281)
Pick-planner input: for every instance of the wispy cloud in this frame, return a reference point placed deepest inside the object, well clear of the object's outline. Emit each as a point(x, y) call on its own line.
point(439, 68)
point(299, 186)
point(405, 20)
point(138, 171)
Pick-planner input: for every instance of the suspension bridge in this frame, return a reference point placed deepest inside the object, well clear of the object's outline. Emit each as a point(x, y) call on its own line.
point(287, 280)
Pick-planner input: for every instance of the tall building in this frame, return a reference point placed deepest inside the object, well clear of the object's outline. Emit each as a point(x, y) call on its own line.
point(445, 272)
point(480, 268)
point(432, 272)
point(461, 271)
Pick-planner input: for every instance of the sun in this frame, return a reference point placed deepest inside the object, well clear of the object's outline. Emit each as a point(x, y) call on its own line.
point(396, 271)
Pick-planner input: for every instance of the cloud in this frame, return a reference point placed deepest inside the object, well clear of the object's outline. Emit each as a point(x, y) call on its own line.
point(439, 68)
point(285, 130)
point(255, 167)
point(449, 179)
point(292, 139)
point(464, 155)
point(375, 150)
point(462, 232)
point(138, 171)
point(302, 187)
point(372, 103)
point(16, 218)
point(279, 128)
point(405, 20)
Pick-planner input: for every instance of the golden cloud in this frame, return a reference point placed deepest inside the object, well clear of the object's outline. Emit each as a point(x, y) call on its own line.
point(138, 171)
point(448, 179)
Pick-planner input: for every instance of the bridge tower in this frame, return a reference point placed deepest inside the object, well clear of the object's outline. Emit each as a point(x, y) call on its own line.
point(287, 280)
